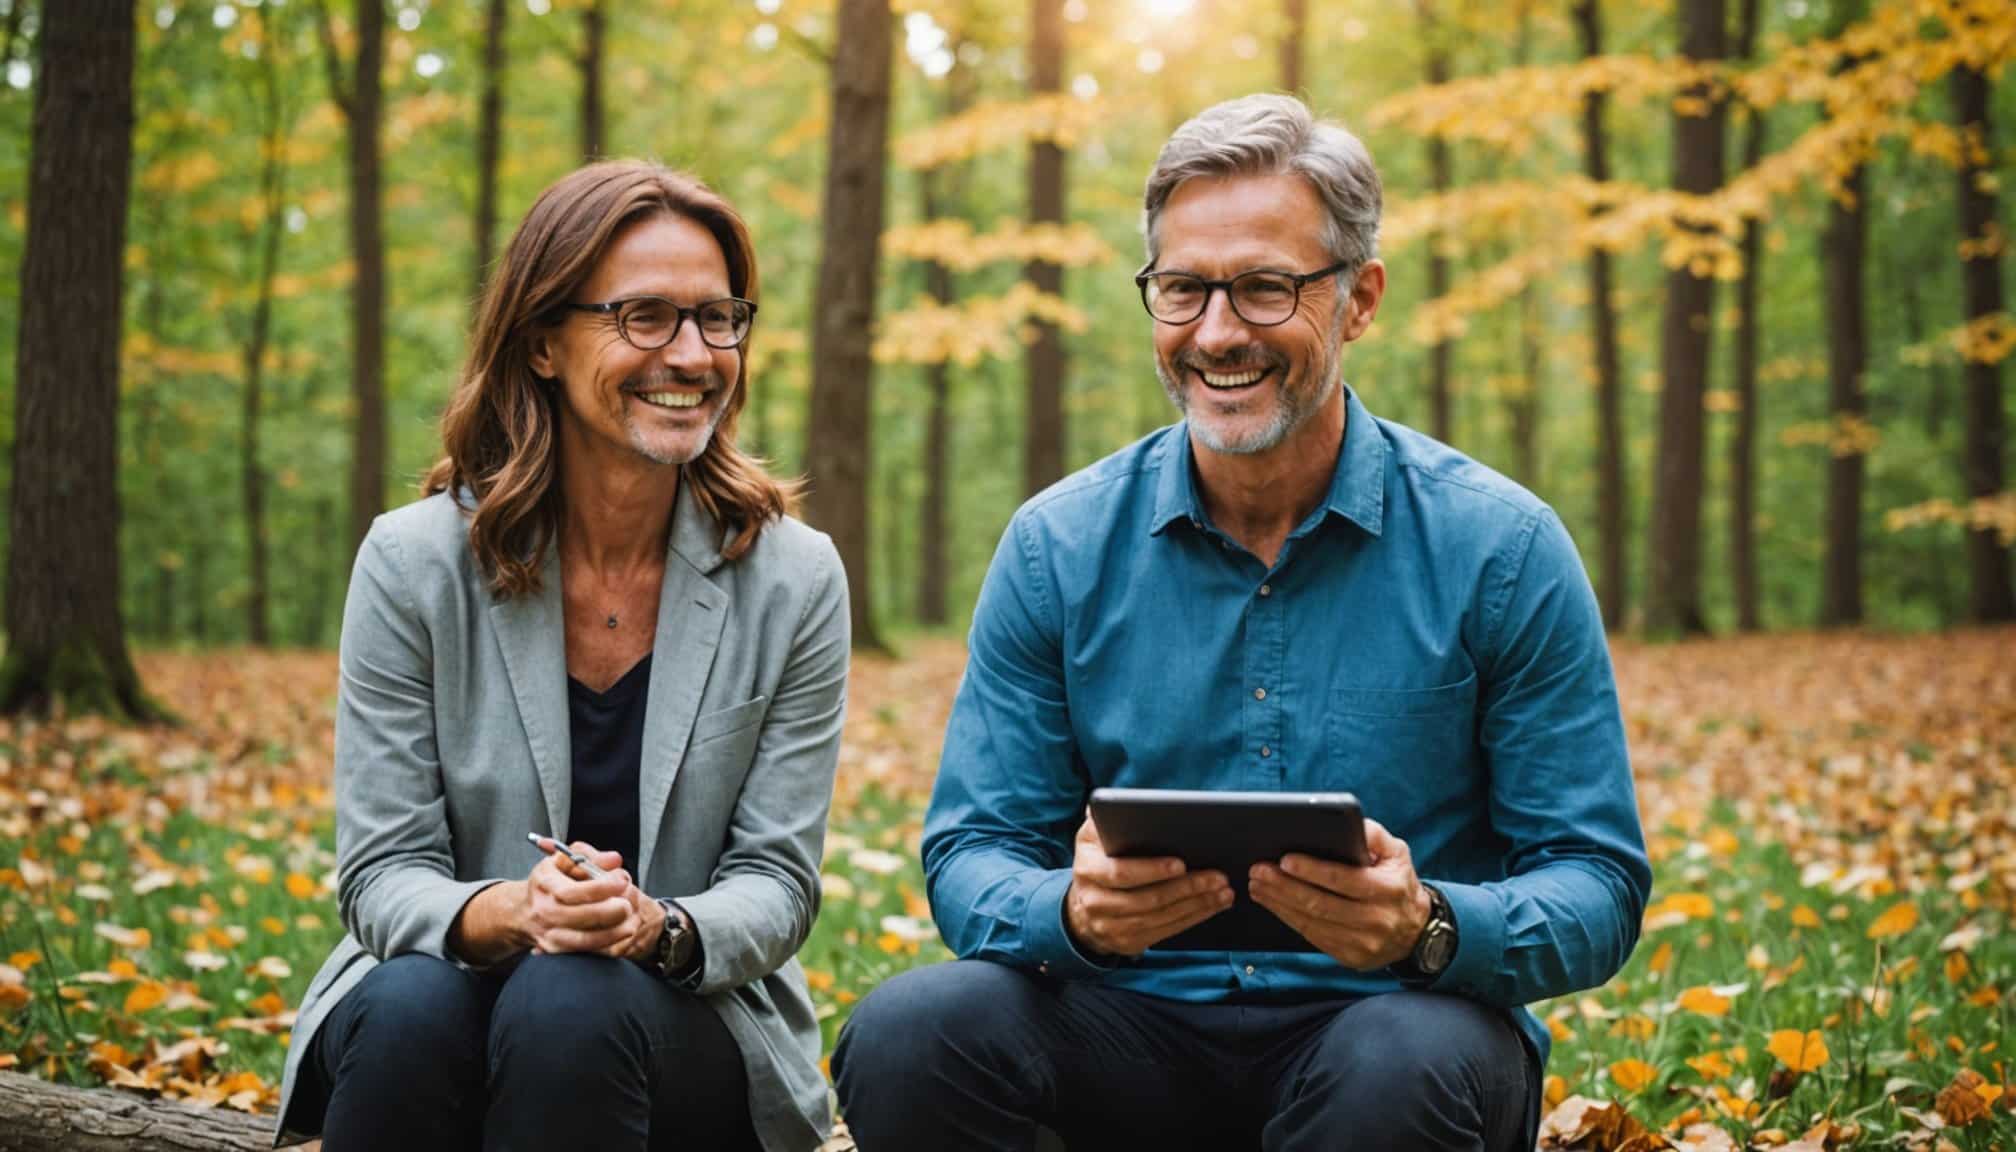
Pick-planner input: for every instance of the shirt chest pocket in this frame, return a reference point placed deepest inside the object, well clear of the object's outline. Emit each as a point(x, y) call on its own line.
point(1402, 750)
point(726, 738)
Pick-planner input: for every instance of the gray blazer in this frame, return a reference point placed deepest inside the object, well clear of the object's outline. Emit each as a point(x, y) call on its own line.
point(451, 744)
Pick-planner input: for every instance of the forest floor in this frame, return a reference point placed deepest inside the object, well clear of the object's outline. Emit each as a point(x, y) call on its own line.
point(1828, 960)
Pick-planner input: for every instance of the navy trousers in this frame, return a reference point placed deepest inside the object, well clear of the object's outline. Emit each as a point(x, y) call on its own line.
point(974, 1055)
point(564, 1052)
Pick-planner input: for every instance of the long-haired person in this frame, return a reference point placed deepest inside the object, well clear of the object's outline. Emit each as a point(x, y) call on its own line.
point(599, 629)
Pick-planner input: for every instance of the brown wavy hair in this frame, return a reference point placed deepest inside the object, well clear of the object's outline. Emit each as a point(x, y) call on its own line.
point(500, 430)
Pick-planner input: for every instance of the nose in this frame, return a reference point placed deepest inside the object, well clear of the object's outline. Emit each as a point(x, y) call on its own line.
point(1219, 330)
point(687, 354)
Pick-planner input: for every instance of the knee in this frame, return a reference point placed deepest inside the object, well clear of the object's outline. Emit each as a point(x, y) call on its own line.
point(415, 1011)
point(918, 1016)
point(1407, 1049)
point(572, 1006)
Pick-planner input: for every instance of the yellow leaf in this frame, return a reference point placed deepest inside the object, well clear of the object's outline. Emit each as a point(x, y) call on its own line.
point(1662, 957)
point(1632, 1075)
point(146, 995)
point(25, 960)
point(1801, 1052)
point(1901, 918)
point(1705, 1001)
point(300, 887)
point(1805, 917)
point(1711, 1066)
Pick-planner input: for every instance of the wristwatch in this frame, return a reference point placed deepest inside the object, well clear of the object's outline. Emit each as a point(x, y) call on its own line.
point(675, 941)
point(1435, 947)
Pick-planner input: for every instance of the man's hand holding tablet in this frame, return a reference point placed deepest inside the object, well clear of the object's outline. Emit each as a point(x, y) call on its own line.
point(1152, 865)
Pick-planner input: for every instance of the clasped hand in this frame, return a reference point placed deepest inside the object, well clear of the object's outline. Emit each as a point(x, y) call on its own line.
point(1363, 917)
point(564, 909)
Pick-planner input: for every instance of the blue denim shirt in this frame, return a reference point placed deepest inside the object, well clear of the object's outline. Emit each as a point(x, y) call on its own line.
point(1427, 639)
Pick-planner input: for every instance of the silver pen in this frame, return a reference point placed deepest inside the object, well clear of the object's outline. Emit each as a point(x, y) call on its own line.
point(541, 842)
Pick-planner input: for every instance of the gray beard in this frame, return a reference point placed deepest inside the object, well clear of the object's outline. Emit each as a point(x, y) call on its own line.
point(643, 445)
point(1289, 414)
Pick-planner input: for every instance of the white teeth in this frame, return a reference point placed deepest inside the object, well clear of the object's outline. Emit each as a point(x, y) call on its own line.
point(1239, 380)
point(672, 399)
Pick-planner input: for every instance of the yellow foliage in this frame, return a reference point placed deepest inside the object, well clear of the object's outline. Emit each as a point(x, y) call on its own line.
point(1899, 919)
point(954, 244)
point(1996, 513)
point(1704, 1001)
point(1848, 434)
point(995, 125)
point(976, 328)
point(1632, 1075)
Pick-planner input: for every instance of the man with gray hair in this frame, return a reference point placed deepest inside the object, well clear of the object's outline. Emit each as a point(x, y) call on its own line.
point(1280, 593)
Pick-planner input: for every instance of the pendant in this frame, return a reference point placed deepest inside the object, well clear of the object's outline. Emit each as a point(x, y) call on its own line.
point(612, 620)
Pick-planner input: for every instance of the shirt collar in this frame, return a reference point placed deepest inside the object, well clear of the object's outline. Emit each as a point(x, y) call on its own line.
point(1357, 484)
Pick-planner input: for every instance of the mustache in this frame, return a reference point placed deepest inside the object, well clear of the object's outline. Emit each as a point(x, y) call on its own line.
point(667, 378)
point(1256, 358)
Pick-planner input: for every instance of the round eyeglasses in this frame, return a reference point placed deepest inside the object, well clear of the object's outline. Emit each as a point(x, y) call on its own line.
point(648, 323)
point(1262, 297)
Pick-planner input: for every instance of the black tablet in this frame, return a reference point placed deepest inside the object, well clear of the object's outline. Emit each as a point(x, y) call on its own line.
point(1230, 832)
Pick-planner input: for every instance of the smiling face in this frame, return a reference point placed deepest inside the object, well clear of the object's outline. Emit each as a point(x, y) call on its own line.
point(662, 405)
point(1246, 389)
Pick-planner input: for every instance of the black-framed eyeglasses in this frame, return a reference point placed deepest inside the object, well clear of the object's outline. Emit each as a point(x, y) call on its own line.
point(1263, 297)
point(648, 323)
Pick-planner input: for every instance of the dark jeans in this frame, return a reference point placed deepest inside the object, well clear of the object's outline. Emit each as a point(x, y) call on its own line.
point(973, 1055)
point(564, 1052)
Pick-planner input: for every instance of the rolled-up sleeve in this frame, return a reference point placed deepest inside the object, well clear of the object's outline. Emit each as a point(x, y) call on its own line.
point(1567, 914)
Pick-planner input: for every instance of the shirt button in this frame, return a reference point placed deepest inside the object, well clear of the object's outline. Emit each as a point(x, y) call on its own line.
point(1266, 590)
point(1249, 969)
point(1265, 751)
point(1259, 693)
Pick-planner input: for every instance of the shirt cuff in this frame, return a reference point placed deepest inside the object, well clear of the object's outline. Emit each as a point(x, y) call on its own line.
point(1480, 938)
point(1050, 945)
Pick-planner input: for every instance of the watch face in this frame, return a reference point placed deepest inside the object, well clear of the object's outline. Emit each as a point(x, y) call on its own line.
point(1438, 949)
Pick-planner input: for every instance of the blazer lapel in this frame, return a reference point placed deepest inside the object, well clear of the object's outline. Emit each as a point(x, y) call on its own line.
point(692, 612)
point(531, 632)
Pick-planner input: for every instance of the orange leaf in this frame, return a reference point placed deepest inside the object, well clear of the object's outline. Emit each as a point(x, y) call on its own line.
point(145, 996)
point(1632, 1075)
point(1662, 957)
point(300, 887)
point(1901, 918)
point(1804, 917)
point(1801, 1052)
point(1704, 1000)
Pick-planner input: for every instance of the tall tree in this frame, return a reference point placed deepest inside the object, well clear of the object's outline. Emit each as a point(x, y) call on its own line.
point(1435, 63)
point(1988, 566)
point(1749, 331)
point(1843, 252)
point(65, 638)
point(1295, 26)
point(361, 99)
point(1043, 436)
point(489, 135)
point(1611, 479)
point(594, 27)
point(933, 543)
point(1673, 590)
point(1525, 401)
point(838, 443)
point(264, 246)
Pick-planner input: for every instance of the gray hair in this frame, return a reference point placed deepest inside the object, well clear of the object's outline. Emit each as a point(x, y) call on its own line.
point(1266, 135)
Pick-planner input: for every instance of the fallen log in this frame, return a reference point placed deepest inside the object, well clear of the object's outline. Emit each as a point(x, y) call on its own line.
point(37, 1116)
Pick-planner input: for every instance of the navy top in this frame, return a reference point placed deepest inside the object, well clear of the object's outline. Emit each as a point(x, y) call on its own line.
point(606, 732)
point(1426, 639)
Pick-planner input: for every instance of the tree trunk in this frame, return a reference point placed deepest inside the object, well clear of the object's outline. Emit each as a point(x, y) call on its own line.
point(1673, 592)
point(1043, 436)
point(1611, 478)
point(1436, 62)
point(37, 1116)
point(1843, 254)
point(934, 543)
point(594, 23)
point(1526, 406)
point(1295, 20)
point(838, 444)
point(1749, 331)
point(361, 99)
point(489, 132)
point(65, 638)
point(1988, 566)
point(273, 192)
